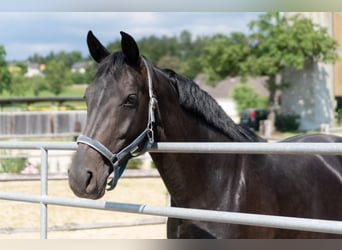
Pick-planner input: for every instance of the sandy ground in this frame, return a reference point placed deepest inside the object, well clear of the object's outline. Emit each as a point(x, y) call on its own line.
point(134, 232)
point(26, 216)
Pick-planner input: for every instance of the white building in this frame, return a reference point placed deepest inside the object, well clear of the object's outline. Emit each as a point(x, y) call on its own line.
point(313, 90)
point(34, 69)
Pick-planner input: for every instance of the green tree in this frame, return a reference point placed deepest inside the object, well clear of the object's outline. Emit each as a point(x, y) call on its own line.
point(90, 73)
point(67, 58)
point(23, 67)
point(155, 48)
point(225, 56)
point(36, 58)
point(276, 42)
point(77, 77)
point(37, 84)
point(170, 62)
point(280, 42)
point(18, 86)
point(57, 76)
point(182, 49)
point(5, 75)
point(185, 43)
point(114, 46)
point(190, 50)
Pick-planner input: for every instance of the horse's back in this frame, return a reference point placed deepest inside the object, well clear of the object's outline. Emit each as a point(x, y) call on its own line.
point(314, 138)
point(309, 185)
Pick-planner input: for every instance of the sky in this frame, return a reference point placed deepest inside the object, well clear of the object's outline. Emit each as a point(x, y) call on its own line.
point(25, 33)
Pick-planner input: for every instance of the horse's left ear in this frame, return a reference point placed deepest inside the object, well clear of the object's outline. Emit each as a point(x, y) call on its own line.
point(129, 48)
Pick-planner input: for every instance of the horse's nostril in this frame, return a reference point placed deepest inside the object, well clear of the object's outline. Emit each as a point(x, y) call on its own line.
point(90, 176)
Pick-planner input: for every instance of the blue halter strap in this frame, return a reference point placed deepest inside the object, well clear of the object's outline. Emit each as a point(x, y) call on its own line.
point(132, 150)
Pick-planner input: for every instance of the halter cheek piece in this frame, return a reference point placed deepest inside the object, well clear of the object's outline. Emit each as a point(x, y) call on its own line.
point(132, 150)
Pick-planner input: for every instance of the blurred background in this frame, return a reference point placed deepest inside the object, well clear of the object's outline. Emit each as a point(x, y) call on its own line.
point(279, 73)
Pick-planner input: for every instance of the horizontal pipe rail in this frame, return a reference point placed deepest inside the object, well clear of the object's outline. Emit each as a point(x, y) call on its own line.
point(128, 173)
point(249, 148)
point(205, 147)
point(313, 225)
point(38, 145)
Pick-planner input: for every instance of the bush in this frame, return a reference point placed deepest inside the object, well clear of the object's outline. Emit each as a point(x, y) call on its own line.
point(246, 96)
point(339, 117)
point(134, 163)
point(12, 165)
point(287, 122)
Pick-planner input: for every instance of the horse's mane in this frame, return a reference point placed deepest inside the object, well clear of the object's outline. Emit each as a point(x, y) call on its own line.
point(195, 100)
point(111, 64)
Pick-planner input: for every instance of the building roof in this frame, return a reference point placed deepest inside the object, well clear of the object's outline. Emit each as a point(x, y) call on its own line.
point(223, 88)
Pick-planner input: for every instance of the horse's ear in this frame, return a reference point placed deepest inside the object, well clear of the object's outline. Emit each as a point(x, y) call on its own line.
point(129, 48)
point(96, 49)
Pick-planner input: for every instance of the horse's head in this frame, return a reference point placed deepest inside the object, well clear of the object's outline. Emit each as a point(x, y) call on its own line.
point(119, 117)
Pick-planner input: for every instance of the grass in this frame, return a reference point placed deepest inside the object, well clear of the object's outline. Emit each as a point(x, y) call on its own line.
point(72, 90)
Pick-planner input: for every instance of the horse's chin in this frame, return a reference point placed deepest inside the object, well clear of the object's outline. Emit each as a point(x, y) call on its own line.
point(97, 195)
point(93, 196)
point(90, 193)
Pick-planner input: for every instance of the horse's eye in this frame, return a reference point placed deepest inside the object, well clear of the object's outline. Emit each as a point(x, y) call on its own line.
point(131, 101)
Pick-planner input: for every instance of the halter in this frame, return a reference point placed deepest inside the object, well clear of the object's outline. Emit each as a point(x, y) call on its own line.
point(132, 150)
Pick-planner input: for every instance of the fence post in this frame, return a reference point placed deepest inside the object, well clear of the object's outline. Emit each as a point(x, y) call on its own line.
point(325, 128)
point(43, 192)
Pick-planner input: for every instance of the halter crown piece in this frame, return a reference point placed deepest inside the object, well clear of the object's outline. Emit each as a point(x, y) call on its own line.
point(132, 150)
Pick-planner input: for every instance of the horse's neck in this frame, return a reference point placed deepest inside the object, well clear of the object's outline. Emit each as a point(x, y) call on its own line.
point(191, 179)
point(187, 175)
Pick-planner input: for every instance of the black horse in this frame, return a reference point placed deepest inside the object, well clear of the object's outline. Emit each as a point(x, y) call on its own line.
point(132, 103)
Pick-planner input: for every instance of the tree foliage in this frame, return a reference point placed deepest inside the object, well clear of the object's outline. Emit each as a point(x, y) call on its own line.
point(279, 42)
point(68, 58)
point(276, 42)
point(246, 96)
point(38, 84)
point(225, 55)
point(57, 75)
point(182, 52)
point(5, 75)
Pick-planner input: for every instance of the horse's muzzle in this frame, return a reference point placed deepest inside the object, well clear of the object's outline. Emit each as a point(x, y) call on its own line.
point(88, 174)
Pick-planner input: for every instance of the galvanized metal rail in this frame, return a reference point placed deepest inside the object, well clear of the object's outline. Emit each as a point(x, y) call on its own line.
point(249, 148)
point(314, 225)
point(204, 147)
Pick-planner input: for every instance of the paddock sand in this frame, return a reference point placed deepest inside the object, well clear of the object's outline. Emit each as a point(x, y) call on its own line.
point(27, 216)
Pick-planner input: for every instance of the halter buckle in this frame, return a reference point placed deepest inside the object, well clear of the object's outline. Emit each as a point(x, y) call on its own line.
point(150, 134)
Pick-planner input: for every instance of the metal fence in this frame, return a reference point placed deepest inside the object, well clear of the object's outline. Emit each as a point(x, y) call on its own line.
point(314, 225)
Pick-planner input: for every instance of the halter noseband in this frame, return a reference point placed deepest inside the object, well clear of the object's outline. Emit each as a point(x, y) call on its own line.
point(132, 150)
